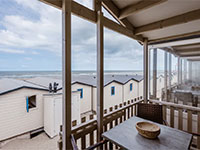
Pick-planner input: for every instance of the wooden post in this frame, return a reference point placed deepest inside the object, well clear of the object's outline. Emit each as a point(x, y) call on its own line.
point(185, 71)
point(145, 71)
point(190, 71)
point(180, 119)
point(189, 121)
point(165, 76)
point(181, 72)
point(100, 70)
point(149, 73)
point(66, 70)
point(155, 73)
point(178, 71)
point(170, 71)
point(172, 116)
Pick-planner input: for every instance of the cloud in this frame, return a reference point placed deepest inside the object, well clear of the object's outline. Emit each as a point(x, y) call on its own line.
point(34, 53)
point(45, 34)
point(28, 58)
point(13, 51)
point(23, 32)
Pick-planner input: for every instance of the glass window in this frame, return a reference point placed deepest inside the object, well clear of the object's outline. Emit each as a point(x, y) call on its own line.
point(112, 90)
point(81, 94)
point(131, 86)
point(30, 102)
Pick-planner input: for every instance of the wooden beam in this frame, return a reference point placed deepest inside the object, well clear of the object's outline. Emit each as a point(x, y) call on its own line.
point(187, 50)
point(193, 59)
point(190, 55)
point(174, 38)
point(100, 75)
point(187, 46)
point(90, 15)
point(120, 29)
point(115, 11)
point(180, 19)
point(134, 8)
point(54, 3)
point(145, 69)
point(66, 70)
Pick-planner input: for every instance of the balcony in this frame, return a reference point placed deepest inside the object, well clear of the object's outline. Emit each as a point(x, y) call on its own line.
point(182, 117)
point(150, 23)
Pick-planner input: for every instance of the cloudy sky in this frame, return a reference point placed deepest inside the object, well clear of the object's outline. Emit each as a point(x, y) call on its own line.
point(30, 39)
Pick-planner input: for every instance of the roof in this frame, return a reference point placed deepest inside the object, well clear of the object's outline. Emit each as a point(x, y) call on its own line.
point(9, 85)
point(89, 80)
point(42, 83)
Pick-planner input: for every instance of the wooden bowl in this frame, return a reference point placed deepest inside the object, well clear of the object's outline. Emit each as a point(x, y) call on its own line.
point(148, 130)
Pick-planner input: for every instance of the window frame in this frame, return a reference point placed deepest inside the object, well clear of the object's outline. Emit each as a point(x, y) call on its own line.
point(28, 103)
point(131, 87)
point(112, 90)
point(81, 94)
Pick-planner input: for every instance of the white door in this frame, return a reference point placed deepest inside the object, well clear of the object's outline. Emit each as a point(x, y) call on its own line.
point(57, 115)
point(76, 108)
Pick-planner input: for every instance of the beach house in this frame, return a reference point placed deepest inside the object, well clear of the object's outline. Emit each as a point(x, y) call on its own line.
point(21, 107)
point(27, 108)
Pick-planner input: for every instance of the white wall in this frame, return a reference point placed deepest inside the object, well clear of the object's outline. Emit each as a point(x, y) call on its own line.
point(14, 118)
point(141, 88)
point(129, 95)
point(109, 100)
point(85, 102)
point(112, 100)
point(53, 112)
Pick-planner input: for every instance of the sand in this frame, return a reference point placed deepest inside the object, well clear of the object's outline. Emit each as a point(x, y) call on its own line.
point(40, 142)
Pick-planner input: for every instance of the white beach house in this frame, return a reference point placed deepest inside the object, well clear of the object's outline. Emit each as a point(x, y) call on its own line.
point(21, 107)
point(26, 106)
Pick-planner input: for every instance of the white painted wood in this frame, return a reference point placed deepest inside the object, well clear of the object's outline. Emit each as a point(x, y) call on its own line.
point(134, 8)
point(14, 118)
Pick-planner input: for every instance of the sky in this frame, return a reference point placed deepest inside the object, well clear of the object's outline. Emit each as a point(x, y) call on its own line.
point(31, 39)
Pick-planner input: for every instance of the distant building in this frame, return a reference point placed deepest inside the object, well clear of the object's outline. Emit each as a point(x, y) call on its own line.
point(32, 104)
point(21, 107)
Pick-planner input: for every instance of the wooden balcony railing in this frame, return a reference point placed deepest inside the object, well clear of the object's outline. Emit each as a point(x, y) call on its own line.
point(85, 133)
point(182, 117)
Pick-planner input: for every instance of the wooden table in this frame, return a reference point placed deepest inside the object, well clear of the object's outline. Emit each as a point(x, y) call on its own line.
point(126, 136)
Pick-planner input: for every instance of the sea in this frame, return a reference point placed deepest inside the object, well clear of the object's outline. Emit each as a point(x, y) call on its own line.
point(58, 74)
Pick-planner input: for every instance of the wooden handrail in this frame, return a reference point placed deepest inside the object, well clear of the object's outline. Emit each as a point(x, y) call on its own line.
point(176, 105)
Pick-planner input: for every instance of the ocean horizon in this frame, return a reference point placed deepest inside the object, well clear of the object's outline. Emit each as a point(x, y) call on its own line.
point(31, 74)
point(58, 74)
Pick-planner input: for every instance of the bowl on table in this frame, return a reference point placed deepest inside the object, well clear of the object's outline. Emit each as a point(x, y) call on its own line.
point(148, 130)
